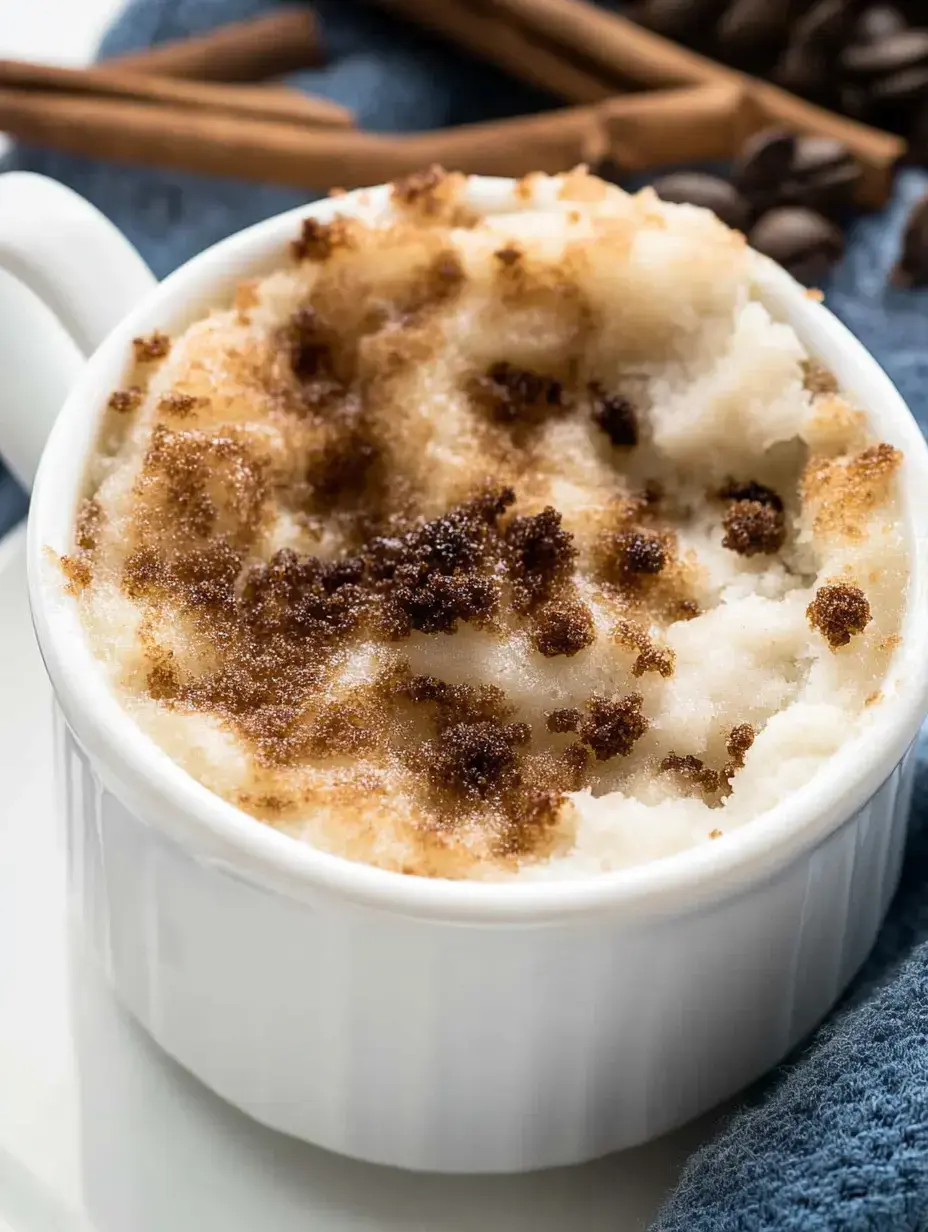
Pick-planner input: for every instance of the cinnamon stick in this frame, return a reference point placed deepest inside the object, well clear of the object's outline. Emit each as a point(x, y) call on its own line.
point(692, 123)
point(271, 45)
point(624, 55)
point(511, 48)
point(252, 101)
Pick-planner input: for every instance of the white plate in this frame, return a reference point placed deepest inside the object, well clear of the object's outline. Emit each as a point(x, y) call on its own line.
point(99, 1130)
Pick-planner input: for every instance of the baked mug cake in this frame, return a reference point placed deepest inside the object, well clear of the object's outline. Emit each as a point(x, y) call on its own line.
point(508, 536)
point(508, 546)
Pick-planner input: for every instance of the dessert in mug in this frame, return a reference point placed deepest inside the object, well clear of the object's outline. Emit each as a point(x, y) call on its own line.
point(525, 545)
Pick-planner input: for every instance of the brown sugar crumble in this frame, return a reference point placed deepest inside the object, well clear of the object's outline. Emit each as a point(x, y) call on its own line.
point(441, 572)
point(318, 240)
point(125, 401)
point(616, 415)
point(508, 255)
point(839, 612)
point(640, 553)
point(612, 727)
point(438, 283)
point(564, 627)
point(434, 195)
point(753, 529)
point(651, 658)
point(541, 557)
point(311, 347)
point(754, 522)
point(740, 739)
point(474, 759)
point(479, 760)
point(756, 493)
point(817, 379)
point(147, 350)
point(567, 719)
point(419, 186)
point(178, 405)
point(693, 771)
point(511, 395)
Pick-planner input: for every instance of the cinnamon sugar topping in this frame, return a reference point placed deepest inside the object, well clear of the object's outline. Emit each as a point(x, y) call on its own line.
point(839, 612)
point(516, 396)
point(419, 186)
point(125, 401)
point(541, 554)
point(693, 771)
point(178, 405)
point(509, 255)
point(318, 240)
point(77, 571)
point(650, 658)
point(639, 552)
point(695, 774)
point(413, 550)
point(752, 528)
point(817, 379)
point(612, 727)
point(147, 350)
point(564, 627)
point(754, 521)
point(843, 492)
point(616, 415)
point(740, 739)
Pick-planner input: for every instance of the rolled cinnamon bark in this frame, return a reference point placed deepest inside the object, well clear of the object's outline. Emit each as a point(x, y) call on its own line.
point(278, 42)
point(624, 55)
point(504, 44)
point(250, 101)
point(692, 123)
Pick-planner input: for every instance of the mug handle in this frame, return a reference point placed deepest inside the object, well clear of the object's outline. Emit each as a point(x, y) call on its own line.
point(84, 274)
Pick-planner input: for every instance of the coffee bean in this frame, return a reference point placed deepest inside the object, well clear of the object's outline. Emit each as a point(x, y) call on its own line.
point(815, 154)
point(912, 268)
point(824, 26)
point(905, 87)
point(712, 193)
point(878, 22)
point(822, 176)
point(764, 162)
point(908, 49)
point(803, 242)
point(805, 67)
point(803, 70)
point(678, 18)
point(855, 100)
point(777, 168)
point(749, 28)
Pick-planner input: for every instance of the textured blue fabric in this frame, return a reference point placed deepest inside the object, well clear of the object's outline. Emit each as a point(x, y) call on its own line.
point(838, 1137)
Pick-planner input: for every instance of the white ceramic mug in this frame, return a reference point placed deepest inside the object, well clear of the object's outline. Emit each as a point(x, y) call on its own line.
point(450, 1026)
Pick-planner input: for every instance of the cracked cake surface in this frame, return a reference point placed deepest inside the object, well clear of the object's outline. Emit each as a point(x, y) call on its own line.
point(526, 545)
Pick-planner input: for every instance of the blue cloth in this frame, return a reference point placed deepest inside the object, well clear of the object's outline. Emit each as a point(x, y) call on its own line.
point(838, 1137)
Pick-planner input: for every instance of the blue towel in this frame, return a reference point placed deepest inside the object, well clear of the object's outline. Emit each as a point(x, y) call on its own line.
point(837, 1138)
